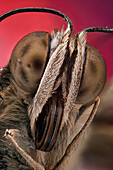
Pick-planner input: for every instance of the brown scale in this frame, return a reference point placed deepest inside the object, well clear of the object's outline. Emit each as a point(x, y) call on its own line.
point(29, 56)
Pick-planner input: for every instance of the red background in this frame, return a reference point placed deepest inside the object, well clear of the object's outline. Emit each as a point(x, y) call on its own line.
point(83, 13)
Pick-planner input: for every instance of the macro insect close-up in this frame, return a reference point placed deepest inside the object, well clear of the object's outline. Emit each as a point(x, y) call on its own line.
point(49, 95)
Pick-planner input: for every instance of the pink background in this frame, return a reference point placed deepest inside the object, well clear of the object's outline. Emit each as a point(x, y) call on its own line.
point(83, 13)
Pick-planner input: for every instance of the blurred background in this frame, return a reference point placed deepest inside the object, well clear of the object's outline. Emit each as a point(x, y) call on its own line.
point(83, 13)
point(96, 149)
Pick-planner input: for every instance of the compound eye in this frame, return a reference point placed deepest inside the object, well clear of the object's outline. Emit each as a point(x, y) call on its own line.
point(29, 58)
point(93, 78)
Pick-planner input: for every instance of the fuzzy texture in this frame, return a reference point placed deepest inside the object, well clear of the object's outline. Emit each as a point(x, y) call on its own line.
point(22, 154)
point(13, 114)
point(76, 75)
point(46, 87)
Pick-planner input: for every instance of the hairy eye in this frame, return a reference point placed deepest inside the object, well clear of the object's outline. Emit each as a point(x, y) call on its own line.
point(93, 78)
